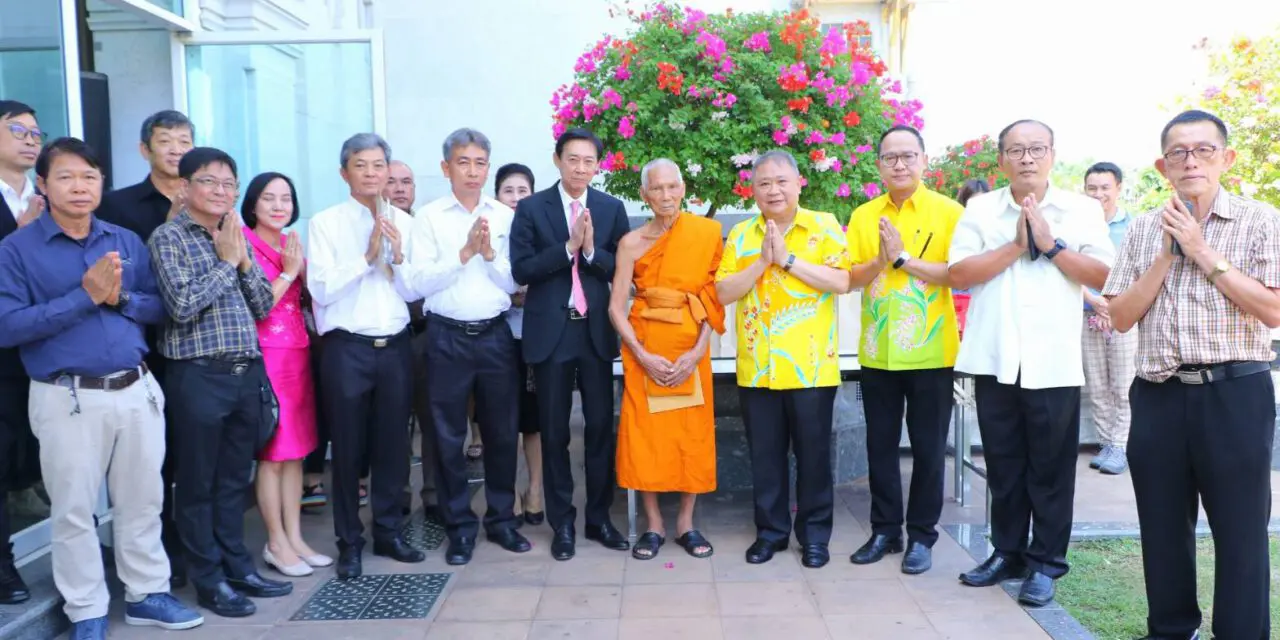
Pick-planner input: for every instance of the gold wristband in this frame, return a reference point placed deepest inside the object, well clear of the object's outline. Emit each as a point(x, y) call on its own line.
point(1218, 269)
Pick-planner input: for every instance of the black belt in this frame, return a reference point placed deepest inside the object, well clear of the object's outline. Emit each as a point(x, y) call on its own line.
point(113, 382)
point(1206, 373)
point(473, 328)
point(233, 367)
point(574, 315)
point(377, 342)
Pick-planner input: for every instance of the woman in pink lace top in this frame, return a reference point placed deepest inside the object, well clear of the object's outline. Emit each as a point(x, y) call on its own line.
point(270, 205)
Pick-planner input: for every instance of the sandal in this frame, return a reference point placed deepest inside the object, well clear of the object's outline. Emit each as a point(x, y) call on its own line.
point(650, 542)
point(475, 452)
point(691, 541)
point(314, 496)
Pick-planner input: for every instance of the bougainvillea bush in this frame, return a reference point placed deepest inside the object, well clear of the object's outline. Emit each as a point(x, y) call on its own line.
point(974, 159)
point(713, 92)
point(1244, 90)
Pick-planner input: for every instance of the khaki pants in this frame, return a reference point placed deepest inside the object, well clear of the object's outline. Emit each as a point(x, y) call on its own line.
point(85, 437)
point(1109, 369)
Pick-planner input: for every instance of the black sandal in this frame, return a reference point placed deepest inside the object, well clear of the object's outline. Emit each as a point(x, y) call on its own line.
point(651, 542)
point(691, 540)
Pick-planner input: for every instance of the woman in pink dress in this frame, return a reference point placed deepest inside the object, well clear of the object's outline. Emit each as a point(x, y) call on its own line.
point(270, 205)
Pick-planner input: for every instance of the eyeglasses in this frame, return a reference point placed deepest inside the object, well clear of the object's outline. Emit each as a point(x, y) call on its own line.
point(20, 132)
point(1037, 152)
point(908, 159)
point(212, 184)
point(1179, 156)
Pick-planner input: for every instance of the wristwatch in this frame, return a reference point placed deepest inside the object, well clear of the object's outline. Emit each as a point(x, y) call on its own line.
point(121, 302)
point(1058, 246)
point(791, 260)
point(902, 259)
point(1218, 269)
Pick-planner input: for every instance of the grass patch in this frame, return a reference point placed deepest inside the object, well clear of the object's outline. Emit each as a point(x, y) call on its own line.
point(1105, 590)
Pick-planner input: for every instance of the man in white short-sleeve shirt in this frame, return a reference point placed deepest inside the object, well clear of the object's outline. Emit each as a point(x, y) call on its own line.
point(1024, 251)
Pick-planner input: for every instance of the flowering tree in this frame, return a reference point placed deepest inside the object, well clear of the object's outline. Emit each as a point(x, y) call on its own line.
point(1244, 90)
point(712, 92)
point(974, 159)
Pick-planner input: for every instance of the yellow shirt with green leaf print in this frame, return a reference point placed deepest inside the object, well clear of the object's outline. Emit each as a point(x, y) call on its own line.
point(907, 323)
point(786, 329)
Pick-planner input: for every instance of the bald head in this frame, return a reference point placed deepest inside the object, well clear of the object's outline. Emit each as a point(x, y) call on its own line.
point(400, 189)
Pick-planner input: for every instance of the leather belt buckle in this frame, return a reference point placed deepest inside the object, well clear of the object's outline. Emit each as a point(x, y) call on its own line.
point(474, 328)
point(379, 343)
point(1194, 377)
point(239, 368)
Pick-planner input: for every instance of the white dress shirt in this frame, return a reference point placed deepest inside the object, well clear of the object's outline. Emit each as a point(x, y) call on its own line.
point(515, 320)
point(478, 290)
point(1027, 320)
point(18, 201)
point(568, 218)
point(347, 292)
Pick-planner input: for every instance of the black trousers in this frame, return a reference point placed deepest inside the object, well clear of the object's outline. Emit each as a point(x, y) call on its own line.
point(168, 524)
point(575, 362)
point(217, 414)
point(928, 396)
point(1030, 440)
point(463, 361)
point(1210, 443)
point(422, 414)
point(799, 420)
point(367, 396)
point(528, 411)
point(14, 423)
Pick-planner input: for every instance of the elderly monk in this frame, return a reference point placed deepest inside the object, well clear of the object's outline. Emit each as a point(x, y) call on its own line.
point(666, 433)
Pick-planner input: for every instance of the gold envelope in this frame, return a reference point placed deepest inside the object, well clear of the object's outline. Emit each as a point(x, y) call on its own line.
point(658, 404)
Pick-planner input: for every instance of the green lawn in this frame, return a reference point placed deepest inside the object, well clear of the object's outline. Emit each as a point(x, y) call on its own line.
point(1105, 591)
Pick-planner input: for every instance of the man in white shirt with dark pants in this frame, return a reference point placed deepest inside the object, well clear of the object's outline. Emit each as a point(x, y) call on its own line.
point(463, 272)
point(357, 271)
point(1024, 251)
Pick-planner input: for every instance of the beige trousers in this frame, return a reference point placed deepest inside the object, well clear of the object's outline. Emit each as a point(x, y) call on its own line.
point(85, 437)
point(1109, 369)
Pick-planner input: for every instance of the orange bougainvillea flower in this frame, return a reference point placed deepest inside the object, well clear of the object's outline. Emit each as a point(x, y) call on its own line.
point(801, 126)
point(826, 123)
point(852, 119)
point(818, 155)
point(801, 104)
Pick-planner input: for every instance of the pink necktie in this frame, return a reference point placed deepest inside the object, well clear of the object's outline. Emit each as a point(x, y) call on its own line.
point(579, 300)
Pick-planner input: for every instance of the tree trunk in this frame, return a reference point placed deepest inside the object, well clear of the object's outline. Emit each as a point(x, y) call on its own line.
point(711, 213)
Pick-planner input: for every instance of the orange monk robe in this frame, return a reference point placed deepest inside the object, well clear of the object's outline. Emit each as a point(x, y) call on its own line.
point(673, 450)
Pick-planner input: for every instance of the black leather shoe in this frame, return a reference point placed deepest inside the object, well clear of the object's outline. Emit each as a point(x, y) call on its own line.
point(12, 589)
point(509, 539)
point(761, 551)
point(225, 601)
point(399, 550)
point(875, 549)
point(562, 543)
point(533, 518)
point(349, 563)
point(993, 571)
point(918, 560)
point(1037, 590)
point(256, 586)
point(815, 556)
point(608, 536)
point(460, 550)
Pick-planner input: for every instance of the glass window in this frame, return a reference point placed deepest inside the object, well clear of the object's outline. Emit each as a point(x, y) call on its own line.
point(283, 107)
point(172, 6)
point(31, 68)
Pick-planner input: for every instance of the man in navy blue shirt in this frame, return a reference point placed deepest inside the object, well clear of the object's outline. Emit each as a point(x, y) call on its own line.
point(75, 293)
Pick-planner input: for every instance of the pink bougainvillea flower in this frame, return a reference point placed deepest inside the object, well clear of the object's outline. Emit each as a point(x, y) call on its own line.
point(860, 73)
point(793, 78)
point(837, 139)
point(843, 191)
point(626, 127)
point(613, 162)
point(836, 165)
point(815, 137)
point(780, 137)
point(863, 148)
point(589, 110)
point(621, 73)
point(758, 42)
point(610, 98)
point(632, 107)
point(871, 190)
point(1211, 92)
point(804, 182)
point(558, 129)
point(744, 175)
point(713, 46)
point(695, 92)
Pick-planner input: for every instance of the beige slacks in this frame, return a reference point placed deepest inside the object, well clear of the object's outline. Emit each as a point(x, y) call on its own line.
point(85, 437)
point(1109, 369)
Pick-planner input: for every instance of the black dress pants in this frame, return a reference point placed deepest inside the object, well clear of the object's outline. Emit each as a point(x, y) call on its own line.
point(366, 387)
point(168, 525)
point(422, 415)
point(1030, 441)
point(798, 420)
point(574, 361)
point(217, 409)
point(928, 396)
point(484, 360)
point(1212, 443)
point(13, 424)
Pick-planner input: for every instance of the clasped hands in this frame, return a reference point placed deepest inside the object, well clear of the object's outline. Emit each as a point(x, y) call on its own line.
point(478, 243)
point(773, 249)
point(230, 243)
point(582, 234)
point(102, 281)
point(1180, 225)
point(667, 373)
point(1031, 214)
point(384, 228)
point(891, 245)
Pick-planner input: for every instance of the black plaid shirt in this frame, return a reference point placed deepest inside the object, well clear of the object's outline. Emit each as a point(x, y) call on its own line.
point(213, 307)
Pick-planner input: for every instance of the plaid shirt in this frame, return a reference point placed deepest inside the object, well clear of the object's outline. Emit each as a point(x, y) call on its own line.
point(213, 306)
point(1191, 321)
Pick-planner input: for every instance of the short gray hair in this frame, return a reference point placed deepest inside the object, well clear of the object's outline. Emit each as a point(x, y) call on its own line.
point(464, 137)
point(654, 164)
point(364, 142)
point(777, 155)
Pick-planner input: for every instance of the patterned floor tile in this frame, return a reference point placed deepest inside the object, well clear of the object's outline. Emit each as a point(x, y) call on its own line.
point(407, 596)
point(423, 531)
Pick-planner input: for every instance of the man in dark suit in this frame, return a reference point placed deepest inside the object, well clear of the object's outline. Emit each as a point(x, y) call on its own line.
point(563, 242)
point(20, 205)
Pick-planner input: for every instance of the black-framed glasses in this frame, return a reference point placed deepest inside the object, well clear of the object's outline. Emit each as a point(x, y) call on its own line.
point(20, 132)
point(1202, 152)
point(1036, 152)
point(908, 159)
point(211, 183)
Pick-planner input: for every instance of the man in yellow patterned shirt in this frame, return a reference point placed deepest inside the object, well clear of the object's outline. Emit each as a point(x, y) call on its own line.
point(898, 244)
point(784, 269)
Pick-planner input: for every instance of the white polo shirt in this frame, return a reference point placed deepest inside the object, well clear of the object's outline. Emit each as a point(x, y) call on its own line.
point(1026, 321)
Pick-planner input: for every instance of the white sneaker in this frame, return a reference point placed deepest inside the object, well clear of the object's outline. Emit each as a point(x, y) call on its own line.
point(1102, 456)
point(1116, 463)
